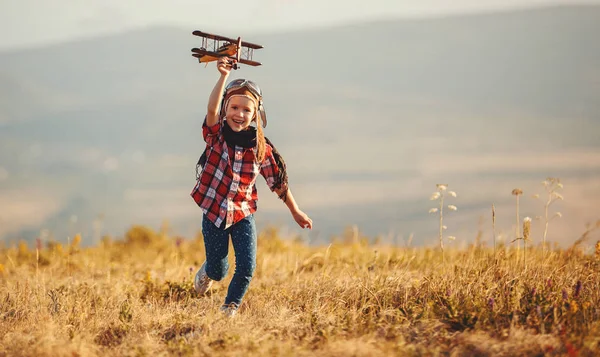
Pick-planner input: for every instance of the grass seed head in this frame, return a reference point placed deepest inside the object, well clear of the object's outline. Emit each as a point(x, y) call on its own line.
point(526, 228)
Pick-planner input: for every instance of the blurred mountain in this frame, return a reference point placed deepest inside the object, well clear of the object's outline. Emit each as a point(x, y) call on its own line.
point(111, 127)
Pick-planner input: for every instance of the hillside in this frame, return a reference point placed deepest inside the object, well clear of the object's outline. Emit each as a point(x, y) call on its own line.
point(110, 126)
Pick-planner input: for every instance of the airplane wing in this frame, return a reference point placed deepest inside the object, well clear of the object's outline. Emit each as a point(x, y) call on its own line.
point(249, 62)
point(251, 45)
point(223, 38)
point(213, 37)
point(205, 52)
point(199, 53)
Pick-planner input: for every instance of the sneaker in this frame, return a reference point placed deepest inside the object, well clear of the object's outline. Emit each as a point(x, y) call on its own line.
point(202, 282)
point(229, 310)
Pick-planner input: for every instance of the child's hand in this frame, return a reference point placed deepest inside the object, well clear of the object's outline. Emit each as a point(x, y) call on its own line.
point(302, 219)
point(225, 64)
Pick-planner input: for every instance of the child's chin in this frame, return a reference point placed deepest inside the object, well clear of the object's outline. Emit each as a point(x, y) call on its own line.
point(236, 127)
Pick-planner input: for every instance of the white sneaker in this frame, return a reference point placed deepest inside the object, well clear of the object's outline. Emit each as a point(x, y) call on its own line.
point(229, 310)
point(202, 282)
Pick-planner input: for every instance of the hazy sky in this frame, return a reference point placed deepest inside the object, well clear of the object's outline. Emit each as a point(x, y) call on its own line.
point(25, 23)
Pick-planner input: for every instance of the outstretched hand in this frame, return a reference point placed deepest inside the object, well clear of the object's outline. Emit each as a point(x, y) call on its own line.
point(302, 219)
point(225, 64)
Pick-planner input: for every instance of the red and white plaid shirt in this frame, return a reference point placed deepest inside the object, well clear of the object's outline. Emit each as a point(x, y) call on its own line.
point(226, 189)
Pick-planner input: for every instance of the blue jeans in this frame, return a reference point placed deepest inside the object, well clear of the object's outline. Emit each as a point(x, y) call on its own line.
point(216, 244)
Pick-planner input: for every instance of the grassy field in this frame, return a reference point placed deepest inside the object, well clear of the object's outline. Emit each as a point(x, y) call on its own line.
point(353, 297)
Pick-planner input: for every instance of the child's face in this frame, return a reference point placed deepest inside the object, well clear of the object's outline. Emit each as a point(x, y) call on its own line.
point(239, 113)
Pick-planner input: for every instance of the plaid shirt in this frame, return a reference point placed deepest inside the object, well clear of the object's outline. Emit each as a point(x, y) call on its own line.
point(226, 189)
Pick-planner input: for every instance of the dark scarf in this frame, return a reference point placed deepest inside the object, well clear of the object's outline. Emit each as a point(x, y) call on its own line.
point(245, 138)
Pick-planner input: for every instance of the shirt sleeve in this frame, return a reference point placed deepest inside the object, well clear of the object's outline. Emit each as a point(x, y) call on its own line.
point(211, 133)
point(269, 169)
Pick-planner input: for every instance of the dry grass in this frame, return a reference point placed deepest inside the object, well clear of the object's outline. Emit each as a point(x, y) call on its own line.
point(134, 297)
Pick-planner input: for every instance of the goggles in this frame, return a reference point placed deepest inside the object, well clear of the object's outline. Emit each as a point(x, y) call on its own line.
point(254, 89)
point(239, 83)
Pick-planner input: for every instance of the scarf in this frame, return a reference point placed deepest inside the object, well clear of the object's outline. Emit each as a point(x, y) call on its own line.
point(245, 139)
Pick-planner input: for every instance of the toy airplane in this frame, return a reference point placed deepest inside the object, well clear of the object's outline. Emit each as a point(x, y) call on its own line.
point(215, 47)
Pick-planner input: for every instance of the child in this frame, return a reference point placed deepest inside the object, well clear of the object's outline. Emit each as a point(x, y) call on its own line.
point(236, 152)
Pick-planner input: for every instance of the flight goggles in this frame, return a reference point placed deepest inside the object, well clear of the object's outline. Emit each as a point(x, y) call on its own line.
point(239, 83)
point(254, 89)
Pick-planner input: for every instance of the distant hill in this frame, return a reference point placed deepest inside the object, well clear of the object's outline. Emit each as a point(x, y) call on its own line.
point(110, 126)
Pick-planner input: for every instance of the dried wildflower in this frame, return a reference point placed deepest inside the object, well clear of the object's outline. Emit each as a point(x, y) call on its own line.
point(440, 195)
point(574, 307)
point(23, 250)
point(526, 228)
point(577, 289)
point(494, 227)
point(538, 309)
point(491, 303)
point(76, 240)
point(552, 185)
point(517, 192)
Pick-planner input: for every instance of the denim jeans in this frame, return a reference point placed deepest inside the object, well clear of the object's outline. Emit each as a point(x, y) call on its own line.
point(216, 244)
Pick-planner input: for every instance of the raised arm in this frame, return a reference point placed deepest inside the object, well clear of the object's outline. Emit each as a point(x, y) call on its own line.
point(214, 101)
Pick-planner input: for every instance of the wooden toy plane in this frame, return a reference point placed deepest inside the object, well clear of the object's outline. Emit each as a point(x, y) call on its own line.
point(215, 46)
